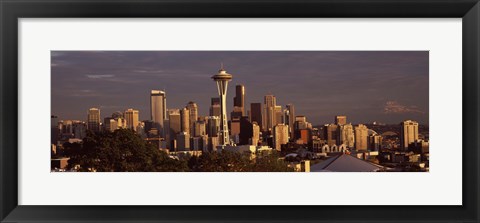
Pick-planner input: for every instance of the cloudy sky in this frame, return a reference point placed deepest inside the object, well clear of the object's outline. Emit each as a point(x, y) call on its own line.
point(366, 86)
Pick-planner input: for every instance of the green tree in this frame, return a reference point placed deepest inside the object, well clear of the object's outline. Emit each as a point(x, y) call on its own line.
point(119, 151)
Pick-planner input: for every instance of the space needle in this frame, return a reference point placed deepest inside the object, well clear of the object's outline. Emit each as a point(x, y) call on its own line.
point(222, 79)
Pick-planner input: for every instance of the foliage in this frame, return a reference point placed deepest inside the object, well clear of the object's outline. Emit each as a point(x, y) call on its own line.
point(119, 151)
point(125, 151)
point(227, 161)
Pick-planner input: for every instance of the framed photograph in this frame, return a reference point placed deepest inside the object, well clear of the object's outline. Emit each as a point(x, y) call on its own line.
point(223, 111)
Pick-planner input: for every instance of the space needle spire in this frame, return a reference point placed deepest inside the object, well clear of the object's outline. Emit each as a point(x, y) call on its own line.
point(222, 79)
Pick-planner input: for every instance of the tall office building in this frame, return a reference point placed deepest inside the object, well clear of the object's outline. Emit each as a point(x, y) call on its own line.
point(110, 124)
point(222, 79)
point(213, 125)
point(193, 110)
point(215, 107)
point(131, 118)
point(270, 102)
point(183, 141)
point(158, 110)
point(246, 131)
point(408, 133)
point(93, 119)
point(340, 120)
point(256, 114)
point(280, 136)
point(174, 126)
point(256, 134)
point(79, 130)
point(375, 142)
point(200, 128)
point(289, 116)
point(361, 137)
point(174, 121)
point(278, 115)
point(331, 134)
point(347, 135)
point(239, 100)
point(185, 120)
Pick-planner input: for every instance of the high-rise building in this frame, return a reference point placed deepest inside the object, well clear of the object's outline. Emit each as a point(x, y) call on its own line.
point(331, 134)
point(278, 115)
point(347, 135)
point(270, 103)
point(289, 116)
point(239, 99)
point(256, 114)
point(235, 126)
point(361, 137)
point(246, 131)
point(174, 126)
point(255, 134)
point(215, 107)
point(408, 133)
point(200, 128)
point(306, 136)
point(193, 110)
point(79, 130)
point(375, 142)
point(174, 120)
point(158, 110)
point(185, 120)
point(280, 136)
point(238, 103)
point(340, 120)
point(183, 141)
point(93, 119)
point(222, 79)
point(213, 125)
point(131, 118)
point(110, 124)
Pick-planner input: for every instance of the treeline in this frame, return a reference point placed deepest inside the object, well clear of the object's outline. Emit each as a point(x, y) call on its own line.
point(124, 151)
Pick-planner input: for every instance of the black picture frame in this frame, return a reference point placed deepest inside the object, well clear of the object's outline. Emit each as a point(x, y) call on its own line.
point(12, 10)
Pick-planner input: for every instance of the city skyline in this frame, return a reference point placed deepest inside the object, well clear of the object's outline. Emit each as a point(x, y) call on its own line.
point(368, 86)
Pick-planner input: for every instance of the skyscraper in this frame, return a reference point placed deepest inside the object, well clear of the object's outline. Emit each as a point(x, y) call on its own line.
point(408, 133)
point(340, 120)
point(290, 118)
point(222, 79)
point(131, 117)
point(93, 120)
point(255, 134)
point(280, 136)
point(278, 115)
point(193, 110)
point(185, 120)
point(200, 128)
point(215, 107)
point(270, 102)
point(158, 110)
point(246, 131)
point(239, 100)
point(256, 114)
point(331, 134)
point(346, 135)
point(183, 141)
point(361, 137)
point(174, 123)
point(213, 125)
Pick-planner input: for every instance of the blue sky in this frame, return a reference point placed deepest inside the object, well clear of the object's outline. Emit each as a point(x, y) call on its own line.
point(367, 86)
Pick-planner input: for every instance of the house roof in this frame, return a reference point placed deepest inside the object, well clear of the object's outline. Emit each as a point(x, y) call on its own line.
point(345, 163)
